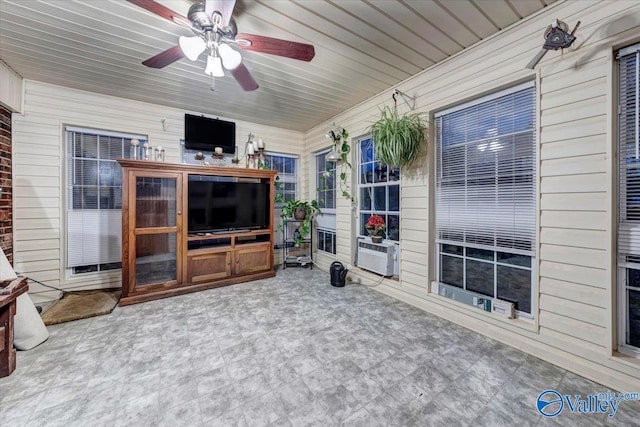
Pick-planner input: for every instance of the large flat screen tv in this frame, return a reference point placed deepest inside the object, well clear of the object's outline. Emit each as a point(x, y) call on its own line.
point(217, 204)
point(204, 134)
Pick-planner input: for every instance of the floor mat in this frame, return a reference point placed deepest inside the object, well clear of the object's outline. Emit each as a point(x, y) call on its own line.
point(81, 305)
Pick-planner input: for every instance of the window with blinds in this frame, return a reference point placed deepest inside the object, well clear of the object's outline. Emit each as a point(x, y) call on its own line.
point(94, 198)
point(485, 195)
point(629, 196)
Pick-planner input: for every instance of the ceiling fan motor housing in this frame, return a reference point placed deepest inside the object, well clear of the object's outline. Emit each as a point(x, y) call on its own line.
point(199, 18)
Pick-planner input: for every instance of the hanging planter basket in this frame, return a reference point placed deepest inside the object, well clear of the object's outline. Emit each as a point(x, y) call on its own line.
point(397, 138)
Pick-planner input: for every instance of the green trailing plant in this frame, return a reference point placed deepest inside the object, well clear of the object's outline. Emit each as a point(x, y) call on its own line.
point(293, 209)
point(279, 198)
point(340, 138)
point(397, 138)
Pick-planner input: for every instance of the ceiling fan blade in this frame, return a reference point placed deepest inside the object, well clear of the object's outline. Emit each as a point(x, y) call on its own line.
point(165, 58)
point(244, 78)
point(286, 48)
point(159, 10)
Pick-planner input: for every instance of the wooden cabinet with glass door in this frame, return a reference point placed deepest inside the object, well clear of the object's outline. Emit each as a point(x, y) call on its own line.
point(152, 208)
point(164, 254)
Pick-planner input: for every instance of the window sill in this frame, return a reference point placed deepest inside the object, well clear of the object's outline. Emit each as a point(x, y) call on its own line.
point(528, 324)
point(633, 361)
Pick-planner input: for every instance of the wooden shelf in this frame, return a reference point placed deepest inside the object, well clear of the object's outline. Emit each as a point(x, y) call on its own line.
point(208, 249)
point(226, 235)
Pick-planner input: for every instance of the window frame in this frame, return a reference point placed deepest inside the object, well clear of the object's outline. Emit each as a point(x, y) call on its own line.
point(283, 178)
point(323, 232)
point(623, 263)
point(533, 255)
point(386, 184)
point(332, 190)
point(98, 269)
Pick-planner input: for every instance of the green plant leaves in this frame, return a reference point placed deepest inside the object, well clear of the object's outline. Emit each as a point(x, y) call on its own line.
point(397, 139)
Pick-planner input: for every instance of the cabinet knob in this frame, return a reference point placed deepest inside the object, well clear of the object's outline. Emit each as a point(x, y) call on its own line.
point(179, 212)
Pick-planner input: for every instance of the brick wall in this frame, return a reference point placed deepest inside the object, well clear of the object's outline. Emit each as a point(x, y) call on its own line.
point(6, 201)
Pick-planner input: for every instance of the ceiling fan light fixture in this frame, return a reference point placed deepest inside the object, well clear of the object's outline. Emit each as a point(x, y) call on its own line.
point(231, 58)
point(192, 47)
point(214, 67)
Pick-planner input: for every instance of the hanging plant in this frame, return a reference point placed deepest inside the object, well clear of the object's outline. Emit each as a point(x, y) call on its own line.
point(340, 138)
point(397, 138)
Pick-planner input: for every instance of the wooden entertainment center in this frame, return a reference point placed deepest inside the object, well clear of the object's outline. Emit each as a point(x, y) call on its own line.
point(160, 258)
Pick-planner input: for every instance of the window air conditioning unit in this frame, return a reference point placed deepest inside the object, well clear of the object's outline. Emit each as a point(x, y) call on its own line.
point(376, 257)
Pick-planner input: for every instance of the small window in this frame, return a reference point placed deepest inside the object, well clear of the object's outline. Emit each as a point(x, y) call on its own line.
point(94, 198)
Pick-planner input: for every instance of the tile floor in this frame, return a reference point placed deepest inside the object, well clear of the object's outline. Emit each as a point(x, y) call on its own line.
point(287, 351)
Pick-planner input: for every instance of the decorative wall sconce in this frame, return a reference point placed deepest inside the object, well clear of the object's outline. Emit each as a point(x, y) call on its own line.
point(254, 152)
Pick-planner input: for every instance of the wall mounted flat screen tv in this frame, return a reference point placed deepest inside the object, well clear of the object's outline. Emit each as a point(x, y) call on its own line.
point(204, 134)
point(227, 205)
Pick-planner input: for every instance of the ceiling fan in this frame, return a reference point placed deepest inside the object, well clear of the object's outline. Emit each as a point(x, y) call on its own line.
point(215, 32)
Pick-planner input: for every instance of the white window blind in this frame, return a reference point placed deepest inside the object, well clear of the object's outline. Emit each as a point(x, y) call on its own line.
point(94, 196)
point(629, 152)
point(629, 198)
point(485, 189)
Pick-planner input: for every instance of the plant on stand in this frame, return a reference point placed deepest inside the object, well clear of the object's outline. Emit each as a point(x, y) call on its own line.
point(301, 211)
point(375, 227)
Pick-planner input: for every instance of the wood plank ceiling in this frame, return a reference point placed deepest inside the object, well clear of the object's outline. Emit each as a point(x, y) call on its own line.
point(362, 48)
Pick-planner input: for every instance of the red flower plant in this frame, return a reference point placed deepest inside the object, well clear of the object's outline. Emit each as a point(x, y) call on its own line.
point(375, 225)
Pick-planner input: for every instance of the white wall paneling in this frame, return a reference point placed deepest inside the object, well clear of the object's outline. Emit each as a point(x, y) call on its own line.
point(573, 282)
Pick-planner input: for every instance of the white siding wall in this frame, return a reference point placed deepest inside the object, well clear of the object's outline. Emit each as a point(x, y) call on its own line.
point(10, 88)
point(39, 168)
point(574, 318)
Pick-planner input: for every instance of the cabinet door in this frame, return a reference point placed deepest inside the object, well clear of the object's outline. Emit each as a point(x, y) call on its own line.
point(208, 266)
point(252, 259)
point(155, 211)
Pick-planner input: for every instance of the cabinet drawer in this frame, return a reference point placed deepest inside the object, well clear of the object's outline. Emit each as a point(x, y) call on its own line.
point(209, 266)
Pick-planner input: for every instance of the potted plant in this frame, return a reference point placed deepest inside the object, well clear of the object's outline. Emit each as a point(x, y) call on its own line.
point(301, 211)
point(397, 138)
point(375, 227)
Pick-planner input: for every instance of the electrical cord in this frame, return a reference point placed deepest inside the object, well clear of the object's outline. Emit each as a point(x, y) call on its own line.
point(58, 289)
point(375, 284)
